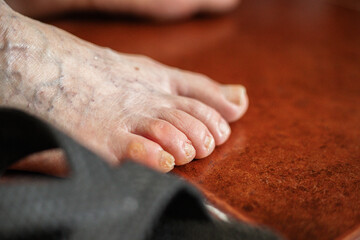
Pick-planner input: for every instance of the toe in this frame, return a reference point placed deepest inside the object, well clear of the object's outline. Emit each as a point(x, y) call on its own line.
point(194, 129)
point(169, 10)
point(237, 95)
point(219, 5)
point(142, 150)
point(216, 124)
point(230, 101)
point(168, 137)
point(176, 9)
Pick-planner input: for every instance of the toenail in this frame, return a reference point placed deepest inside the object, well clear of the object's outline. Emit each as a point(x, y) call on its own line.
point(242, 92)
point(167, 161)
point(136, 150)
point(224, 128)
point(209, 143)
point(234, 93)
point(189, 151)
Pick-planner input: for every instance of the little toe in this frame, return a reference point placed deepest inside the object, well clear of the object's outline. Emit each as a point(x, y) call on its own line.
point(230, 101)
point(142, 150)
point(194, 129)
point(168, 137)
point(216, 124)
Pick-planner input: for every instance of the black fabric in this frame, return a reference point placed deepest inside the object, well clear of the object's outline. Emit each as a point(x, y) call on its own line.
point(96, 201)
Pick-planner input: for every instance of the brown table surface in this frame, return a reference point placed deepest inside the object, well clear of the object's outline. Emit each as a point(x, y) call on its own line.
point(293, 162)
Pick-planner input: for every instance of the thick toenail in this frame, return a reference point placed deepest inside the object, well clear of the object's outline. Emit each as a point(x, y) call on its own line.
point(136, 150)
point(224, 128)
point(209, 143)
point(189, 151)
point(234, 93)
point(167, 161)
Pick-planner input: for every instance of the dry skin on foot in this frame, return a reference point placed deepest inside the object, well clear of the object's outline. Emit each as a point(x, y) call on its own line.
point(119, 105)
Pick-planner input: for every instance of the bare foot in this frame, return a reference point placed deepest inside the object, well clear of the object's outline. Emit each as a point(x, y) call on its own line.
point(119, 105)
point(159, 9)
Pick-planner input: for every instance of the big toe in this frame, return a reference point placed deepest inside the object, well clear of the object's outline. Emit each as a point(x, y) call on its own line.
point(236, 94)
point(230, 101)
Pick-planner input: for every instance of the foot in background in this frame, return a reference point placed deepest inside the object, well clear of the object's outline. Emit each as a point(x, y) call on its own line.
point(156, 9)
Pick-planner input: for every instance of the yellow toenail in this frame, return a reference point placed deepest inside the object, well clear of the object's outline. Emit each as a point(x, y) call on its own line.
point(167, 161)
point(136, 150)
point(234, 93)
point(209, 143)
point(224, 128)
point(189, 151)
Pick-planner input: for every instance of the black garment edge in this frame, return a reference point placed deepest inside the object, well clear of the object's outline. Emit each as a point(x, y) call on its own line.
point(97, 201)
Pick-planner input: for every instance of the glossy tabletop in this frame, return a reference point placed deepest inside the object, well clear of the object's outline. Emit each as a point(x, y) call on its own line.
point(293, 161)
